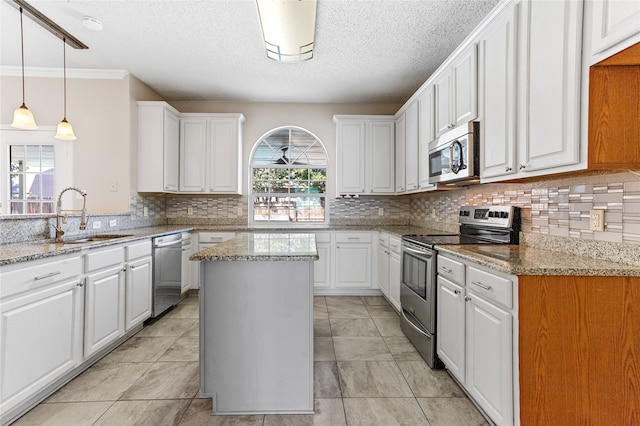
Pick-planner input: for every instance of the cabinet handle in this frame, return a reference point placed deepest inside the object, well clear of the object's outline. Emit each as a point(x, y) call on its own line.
point(124, 269)
point(132, 267)
point(522, 166)
point(80, 284)
point(448, 271)
point(353, 238)
point(507, 169)
point(467, 298)
point(456, 291)
point(51, 274)
point(479, 284)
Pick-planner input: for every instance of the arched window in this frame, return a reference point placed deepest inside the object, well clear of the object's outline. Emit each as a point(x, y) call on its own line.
point(288, 178)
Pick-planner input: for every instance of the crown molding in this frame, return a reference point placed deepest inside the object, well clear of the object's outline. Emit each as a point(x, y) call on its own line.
point(98, 74)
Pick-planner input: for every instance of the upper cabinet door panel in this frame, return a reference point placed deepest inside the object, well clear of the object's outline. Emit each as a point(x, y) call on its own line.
point(550, 67)
point(613, 22)
point(351, 156)
point(171, 150)
point(465, 81)
point(193, 158)
point(426, 133)
point(400, 153)
point(444, 108)
point(382, 152)
point(225, 162)
point(411, 147)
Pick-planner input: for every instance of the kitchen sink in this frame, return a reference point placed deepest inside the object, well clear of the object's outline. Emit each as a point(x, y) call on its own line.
point(94, 238)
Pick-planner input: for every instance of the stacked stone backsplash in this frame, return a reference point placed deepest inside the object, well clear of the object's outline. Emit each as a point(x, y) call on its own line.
point(207, 210)
point(365, 211)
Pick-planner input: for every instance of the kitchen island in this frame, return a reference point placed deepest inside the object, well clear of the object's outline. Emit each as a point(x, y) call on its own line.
point(256, 323)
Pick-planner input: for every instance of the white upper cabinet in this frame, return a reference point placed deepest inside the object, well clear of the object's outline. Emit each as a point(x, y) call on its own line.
point(549, 84)
point(456, 91)
point(615, 25)
point(365, 154)
point(497, 95)
point(193, 164)
point(411, 147)
point(401, 132)
point(158, 147)
point(426, 133)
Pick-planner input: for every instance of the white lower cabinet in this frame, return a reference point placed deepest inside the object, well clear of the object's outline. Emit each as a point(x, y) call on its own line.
point(353, 257)
point(322, 266)
point(206, 240)
point(476, 323)
point(383, 263)
point(395, 272)
point(138, 284)
point(187, 249)
point(41, 318)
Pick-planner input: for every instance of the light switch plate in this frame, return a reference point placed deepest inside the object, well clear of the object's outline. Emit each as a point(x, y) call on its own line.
point(380, 211)
point(97, 224)
point(596, 220)
point(189, 210)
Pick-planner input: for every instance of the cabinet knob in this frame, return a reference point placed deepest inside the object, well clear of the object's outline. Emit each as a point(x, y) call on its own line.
point(80, 284)
point(467, 298)
point(522, 166)
point(507, 169)
point(450, 126)
point(456, 291)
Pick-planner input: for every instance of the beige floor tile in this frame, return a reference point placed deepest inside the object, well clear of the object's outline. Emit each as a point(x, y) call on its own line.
point(184, 310)
point(372, 379)
point(344, 301)
point(374, 300)
point(199, 414)
point(383, 411)
point(184, 349)
point(145, 413)
point(361, 349)
point(64, 414)
point(193, 331)
point(451, 412)
point(425, 382)
point(168, 327)
point(401, 348)
point(328, 412)
point(101, 382)
point(389, 326)
point(348, 311)
point(382, 312)
point(166, 380)
point(353, 327)
point(325, 380)
point(140, 349)
point(319, 302)
point(321, 327)
point(320, 312)
point(323, 349)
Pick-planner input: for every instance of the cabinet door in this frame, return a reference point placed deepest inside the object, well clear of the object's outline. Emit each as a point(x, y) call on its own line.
point(383, 270)
point(225, 162)
point(186, 268)
point(395, 276)
point(613, 21)
point(426, 133)
point(193, 158)
point(497, 94)
point(171, 151)
point(451, 327)
point(489, 359)
point(465, 87)
point(104, 308)
point(41, 339)
point(322, 266)
point(138, 293)
point(353, 265)
point(444, 97)
point(400, 153)
point(380, 150)
point(411, 147)
point(350, 157)
point(549, 104)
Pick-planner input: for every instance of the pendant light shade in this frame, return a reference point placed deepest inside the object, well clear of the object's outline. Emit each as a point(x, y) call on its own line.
point(22, 117)
point(65, 131)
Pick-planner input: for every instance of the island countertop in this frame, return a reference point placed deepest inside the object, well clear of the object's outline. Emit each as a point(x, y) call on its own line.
point(262, 246)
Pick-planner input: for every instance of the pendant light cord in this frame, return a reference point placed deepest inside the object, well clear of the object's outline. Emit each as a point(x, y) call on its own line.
point(64, 67)
point(22, 46)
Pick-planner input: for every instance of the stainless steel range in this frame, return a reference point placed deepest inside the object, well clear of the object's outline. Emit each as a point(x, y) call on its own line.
point(478, 225)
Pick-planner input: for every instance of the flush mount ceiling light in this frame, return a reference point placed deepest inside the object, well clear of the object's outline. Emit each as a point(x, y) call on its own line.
point(91, 23)
point(288, 28)
point(65, 131)
point(22, 117)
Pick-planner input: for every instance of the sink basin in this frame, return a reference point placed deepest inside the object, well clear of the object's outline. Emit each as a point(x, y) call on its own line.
point(94, 238)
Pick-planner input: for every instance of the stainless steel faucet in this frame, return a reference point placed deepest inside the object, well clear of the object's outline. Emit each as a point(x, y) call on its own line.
point(60, 215)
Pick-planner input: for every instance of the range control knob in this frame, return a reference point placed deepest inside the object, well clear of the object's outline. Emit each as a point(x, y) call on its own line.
point(504, 215)
point(492, 214)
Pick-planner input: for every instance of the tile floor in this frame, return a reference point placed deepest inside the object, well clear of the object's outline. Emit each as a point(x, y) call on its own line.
point(366, 373)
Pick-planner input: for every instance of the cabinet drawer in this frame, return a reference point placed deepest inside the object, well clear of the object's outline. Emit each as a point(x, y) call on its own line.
point(353, 237)
point(32, 275)
point(383, 240)
point(492, 287)
point(142, 249)
point(102, 258)
point(451, 269)
point(215, 237)
point(395, 245)
point(323, 237)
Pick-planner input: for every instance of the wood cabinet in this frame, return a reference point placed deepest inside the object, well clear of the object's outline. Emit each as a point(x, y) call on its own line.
point(158, 147)
point(426, 133)
point(365, 154)
point(614, 24)
point(353, 260)
point(41, 318)
point(138, 288)
point(104, 298)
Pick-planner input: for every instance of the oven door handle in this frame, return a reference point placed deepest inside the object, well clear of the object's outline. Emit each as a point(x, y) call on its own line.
point(425, 254)
point(422, 332)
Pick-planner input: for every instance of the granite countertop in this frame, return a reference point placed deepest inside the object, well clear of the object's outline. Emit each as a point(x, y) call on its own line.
point(22, 252)
point(527, 260)
point(262, 246)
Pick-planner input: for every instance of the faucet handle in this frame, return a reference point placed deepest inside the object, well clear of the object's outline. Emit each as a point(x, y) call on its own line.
point(64, 218)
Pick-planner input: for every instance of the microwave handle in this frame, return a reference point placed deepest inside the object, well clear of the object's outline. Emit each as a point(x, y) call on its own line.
point(456, 168)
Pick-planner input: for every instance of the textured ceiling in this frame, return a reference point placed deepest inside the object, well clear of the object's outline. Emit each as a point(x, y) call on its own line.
point(365, 51)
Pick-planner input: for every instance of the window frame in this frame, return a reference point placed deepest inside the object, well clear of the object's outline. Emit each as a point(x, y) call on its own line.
point(251, 195)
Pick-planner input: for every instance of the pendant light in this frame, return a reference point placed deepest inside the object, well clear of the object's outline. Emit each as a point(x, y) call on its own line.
point(22, 117)
point(65, 131)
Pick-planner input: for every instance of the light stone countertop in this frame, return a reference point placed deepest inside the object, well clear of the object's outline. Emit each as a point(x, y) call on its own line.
point(527, 260)
point(262, 246)
point(23, 252)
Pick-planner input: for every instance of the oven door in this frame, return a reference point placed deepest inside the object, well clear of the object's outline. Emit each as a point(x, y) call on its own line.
point(417, 289)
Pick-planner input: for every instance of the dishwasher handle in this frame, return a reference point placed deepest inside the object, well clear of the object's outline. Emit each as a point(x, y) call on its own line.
point(166, 241)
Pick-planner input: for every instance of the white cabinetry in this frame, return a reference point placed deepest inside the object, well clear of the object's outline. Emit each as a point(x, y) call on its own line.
point(187, 265)
point(456, 91)
point(426, 133)
point(322, 266)
point(138, 283)
point(158, 147)
point(206, 240)
point(365, 154)
point(353, 257)
point(476, 323)
point(41, 318)
point(211, 153)
point(411, 148)
point(615, 25)
point(104, 298)
point(401, 141)
point(383, 263)
point(395, 272)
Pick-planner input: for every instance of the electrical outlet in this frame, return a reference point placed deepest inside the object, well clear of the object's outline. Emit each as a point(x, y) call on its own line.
point(113, 186)
point(433, 213)
point(97, 224)
point(239, 210)
point(189, 210)
point(112, 223)
point(145, 211)
point(596, 220)
point(380, 211)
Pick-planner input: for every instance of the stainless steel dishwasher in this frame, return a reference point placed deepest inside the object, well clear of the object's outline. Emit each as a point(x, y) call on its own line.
point(167, 272)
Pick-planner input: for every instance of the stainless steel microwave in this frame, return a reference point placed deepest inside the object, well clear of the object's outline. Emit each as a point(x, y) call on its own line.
point(454, 156)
